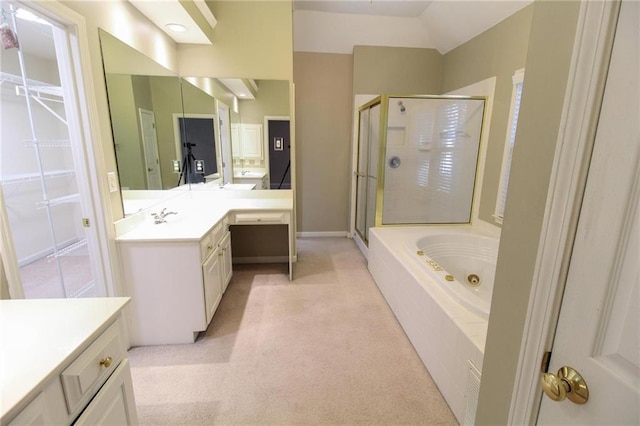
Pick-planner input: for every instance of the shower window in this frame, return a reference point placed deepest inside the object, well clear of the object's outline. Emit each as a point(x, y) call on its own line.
point(516, 97)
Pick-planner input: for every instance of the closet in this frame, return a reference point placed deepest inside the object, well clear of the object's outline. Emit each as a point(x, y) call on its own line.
point(42, 161)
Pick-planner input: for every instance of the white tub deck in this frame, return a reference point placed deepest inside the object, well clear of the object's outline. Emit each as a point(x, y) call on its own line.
point(446, 336)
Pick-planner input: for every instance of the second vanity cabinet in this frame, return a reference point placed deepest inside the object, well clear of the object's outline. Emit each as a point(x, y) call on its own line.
point(259, 182)
point(175, 285)
point(65, 362)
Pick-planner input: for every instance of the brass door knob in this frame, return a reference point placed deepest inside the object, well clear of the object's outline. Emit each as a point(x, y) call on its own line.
point(106, 362)
point(567, 384)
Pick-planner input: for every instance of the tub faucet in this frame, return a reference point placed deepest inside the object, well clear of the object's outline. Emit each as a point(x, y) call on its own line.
point(162, 216)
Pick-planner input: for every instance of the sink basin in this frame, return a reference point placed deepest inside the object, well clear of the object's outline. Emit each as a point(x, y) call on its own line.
point(249, 174)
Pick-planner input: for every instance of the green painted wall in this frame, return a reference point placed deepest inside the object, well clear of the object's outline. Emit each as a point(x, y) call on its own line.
point(553, 30)
point(497, 52)
point(126, 135)
point(272, 98)
point(253, 39)
point(398, 70)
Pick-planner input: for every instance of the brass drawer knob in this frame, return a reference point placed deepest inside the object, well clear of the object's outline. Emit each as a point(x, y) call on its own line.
point(209, 247)
point(106, 362)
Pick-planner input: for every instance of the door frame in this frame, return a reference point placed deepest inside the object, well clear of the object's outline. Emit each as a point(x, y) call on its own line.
point(225, 142)
point(265, 137)
point(142, 112)
point(583, 98)
point(177, 133)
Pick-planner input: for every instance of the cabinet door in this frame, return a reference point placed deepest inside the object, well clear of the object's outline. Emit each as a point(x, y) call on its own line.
point(36, 413)
point(211, 272)
point(114, 404)
point(227, 271)
point(252, 141)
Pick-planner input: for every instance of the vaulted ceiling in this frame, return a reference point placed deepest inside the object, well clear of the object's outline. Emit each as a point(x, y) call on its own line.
point(441, 24)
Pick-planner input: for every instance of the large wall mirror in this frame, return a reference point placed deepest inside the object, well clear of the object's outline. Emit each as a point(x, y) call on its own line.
point(172, 132)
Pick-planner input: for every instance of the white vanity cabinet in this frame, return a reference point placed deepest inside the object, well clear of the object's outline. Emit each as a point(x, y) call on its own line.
point(64, 362)
point(176, 285)
point(212, 279)
point(176, 272)
point(226, 260)
point(259, 182)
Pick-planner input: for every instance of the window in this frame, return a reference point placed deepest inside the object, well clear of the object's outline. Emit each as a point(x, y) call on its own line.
point(516, 97)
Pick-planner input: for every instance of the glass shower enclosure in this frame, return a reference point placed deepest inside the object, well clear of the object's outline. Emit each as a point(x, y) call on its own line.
point(417, 160)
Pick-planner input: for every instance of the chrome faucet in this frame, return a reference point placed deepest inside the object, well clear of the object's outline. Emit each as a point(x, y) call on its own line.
point(162, 216)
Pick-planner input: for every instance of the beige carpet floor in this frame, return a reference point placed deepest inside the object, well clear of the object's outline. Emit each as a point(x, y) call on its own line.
point(41, 279)
point(322, 349)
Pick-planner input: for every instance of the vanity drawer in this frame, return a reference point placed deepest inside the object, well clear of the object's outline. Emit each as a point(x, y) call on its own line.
point(209, 242)
point(86, 374)
point(259, 218)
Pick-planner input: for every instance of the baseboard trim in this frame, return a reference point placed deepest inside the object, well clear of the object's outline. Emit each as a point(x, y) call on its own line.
point(362, 246)
point(264, 259)
point(323, 234)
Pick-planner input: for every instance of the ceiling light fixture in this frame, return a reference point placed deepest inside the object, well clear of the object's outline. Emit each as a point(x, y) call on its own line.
point(176, 28)
point(242, 95)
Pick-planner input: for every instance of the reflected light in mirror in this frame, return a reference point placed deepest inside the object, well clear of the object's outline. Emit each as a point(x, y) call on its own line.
point(203, 83)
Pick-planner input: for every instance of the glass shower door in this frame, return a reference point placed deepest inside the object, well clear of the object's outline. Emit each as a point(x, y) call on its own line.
point(431, 156)
point(367, 172)
point(372, 166)
point(361, 174)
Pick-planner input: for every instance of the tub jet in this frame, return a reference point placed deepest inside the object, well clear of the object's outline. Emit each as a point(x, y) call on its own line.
point(473, 279)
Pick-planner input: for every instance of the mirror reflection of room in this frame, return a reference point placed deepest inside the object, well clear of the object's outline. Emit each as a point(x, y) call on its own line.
point(171, 132)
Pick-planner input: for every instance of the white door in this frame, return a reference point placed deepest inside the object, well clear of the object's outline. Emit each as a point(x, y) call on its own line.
point(51, 237)
point(225, 142)
point(598, 333)
point(150, 143)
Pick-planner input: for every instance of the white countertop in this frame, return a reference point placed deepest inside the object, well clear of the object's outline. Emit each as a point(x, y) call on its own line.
point(250, 174)
point(198, 212)
point(40, 336)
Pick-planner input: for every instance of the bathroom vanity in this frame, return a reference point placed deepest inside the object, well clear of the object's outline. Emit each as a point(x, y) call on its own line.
point(177, 271)
point(258, 178)
point(64, 361)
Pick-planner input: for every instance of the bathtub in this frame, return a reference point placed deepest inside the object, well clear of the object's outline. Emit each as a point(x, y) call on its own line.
point(464, 264)
point(438, 282)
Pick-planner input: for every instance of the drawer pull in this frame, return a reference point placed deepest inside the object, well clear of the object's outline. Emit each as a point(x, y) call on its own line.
point(209, 247)
point(106, 362)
